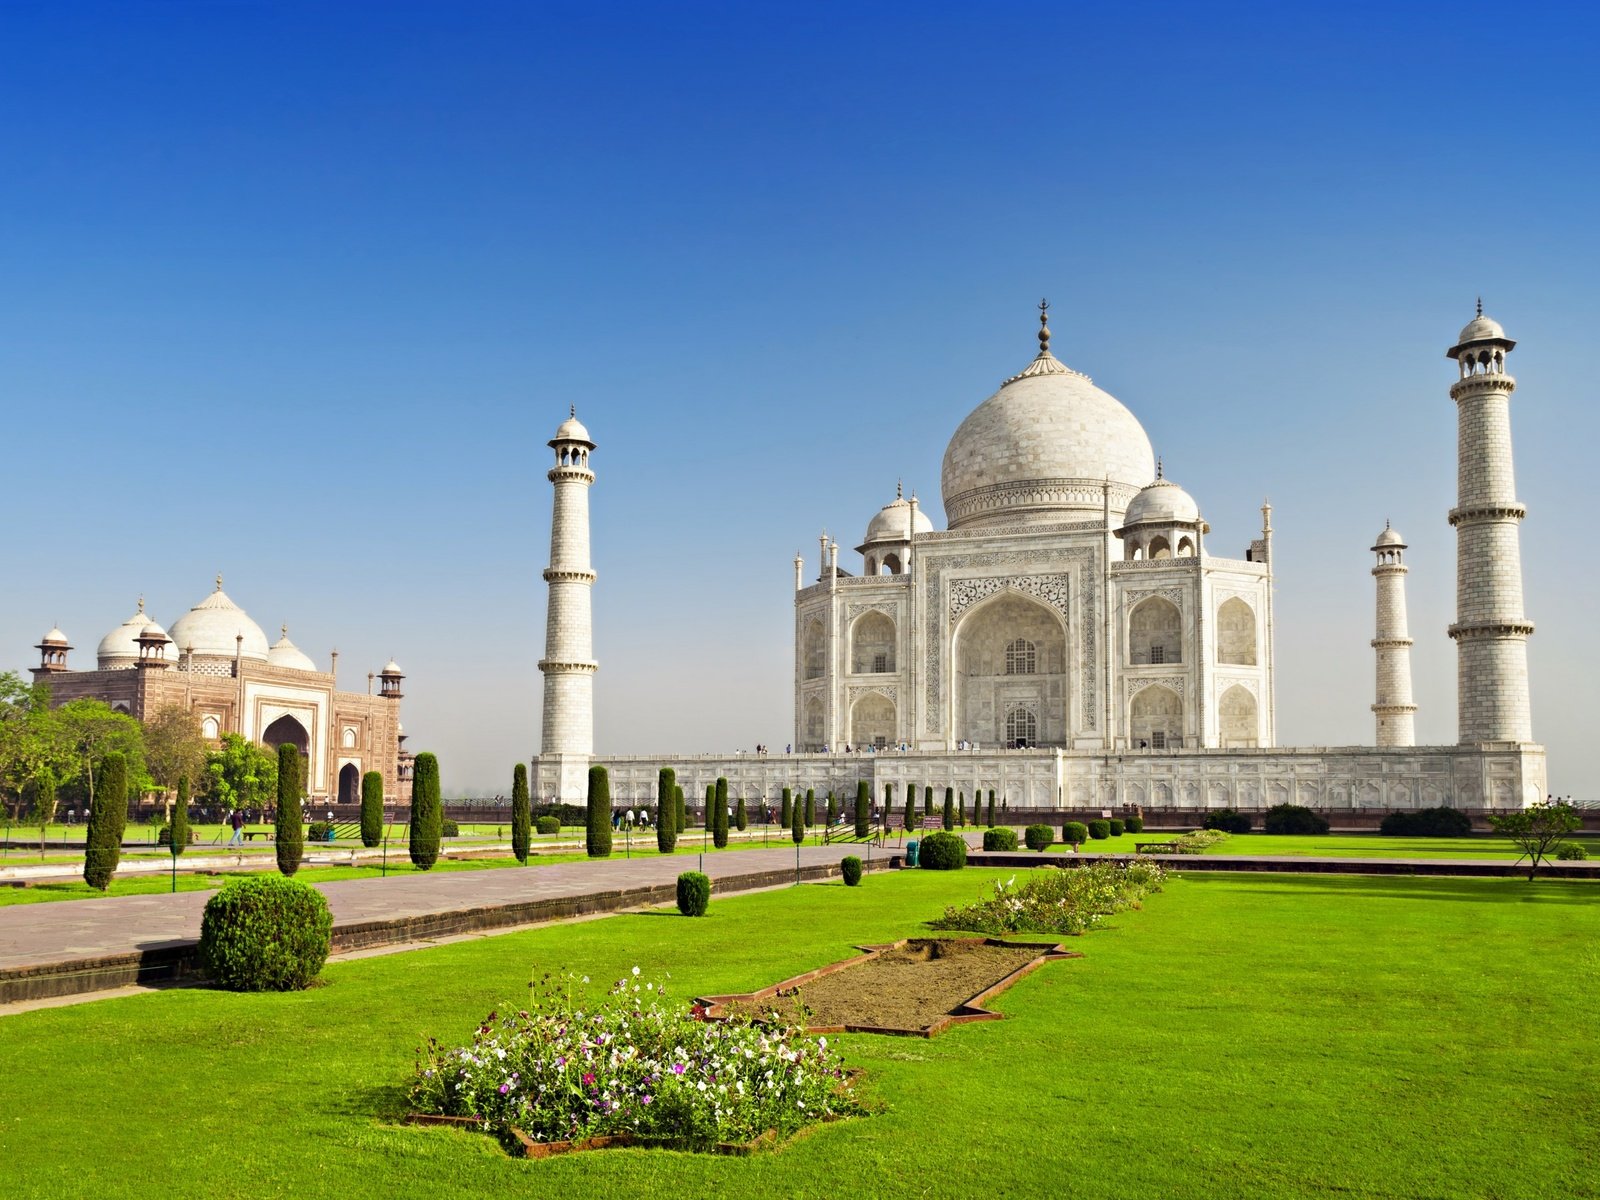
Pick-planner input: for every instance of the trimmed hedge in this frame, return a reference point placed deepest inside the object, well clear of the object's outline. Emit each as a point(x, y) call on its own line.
point(288, 833)
point(943, 851)
point(548, 825)
point(999, 839)
point(850, 869)
point(265, 933)
point(108, 815)
point(427, 813)
point(1099, 829)
point(372, 808)
point(694, 893)
point(178, 834)
point(1038, 837)
point(1427, 822)
point(1074, 833)
point(597, 814)
point(1117, 826)
point(1229, 821)
point(1294, 818)
point(520, 813)
point(1134, 824)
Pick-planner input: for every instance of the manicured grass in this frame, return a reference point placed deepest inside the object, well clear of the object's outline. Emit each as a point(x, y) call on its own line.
point(1331, 845)
point(1242, 1036)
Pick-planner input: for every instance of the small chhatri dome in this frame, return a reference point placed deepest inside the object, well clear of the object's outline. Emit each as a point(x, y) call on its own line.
point(393, 668)
point(212, 629)
point(1481, 329)
point(572, 430)
point(120, 647)
point(285, 653)
point(894, 519)
point(1389, 538)
point(1162, 502)
point(54, 638)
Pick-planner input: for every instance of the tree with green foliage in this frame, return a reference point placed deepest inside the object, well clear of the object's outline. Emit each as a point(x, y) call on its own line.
point(240, 774)
point(977, 808)
point(666, 810)
point(864, 807)
point(44, 806)
point(787, 812)
point(89, 730)
point(179, 832)
point(961, 809)
point(288, 832)
point(1537, 830)
point(833, 811)
point(991, 808)
point(30, 742)
point(427, 812)
point(597, 827)
point(741, 818)
point(710, 813)
point(719, 822)
point(521, 814)
point(683, 813)
point(911, 808)
point(173, 746)
point(108, 815)
point(797, 824)
point(949, 809)
point(811, 807)
point(372, 809)
point(927, 801)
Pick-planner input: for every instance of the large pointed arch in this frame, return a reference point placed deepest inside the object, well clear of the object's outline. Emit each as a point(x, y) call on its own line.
point(1008, 651)
point(872, 720)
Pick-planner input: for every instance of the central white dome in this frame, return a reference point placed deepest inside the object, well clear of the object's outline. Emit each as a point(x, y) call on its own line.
point(1041, 449)
point(210, 628)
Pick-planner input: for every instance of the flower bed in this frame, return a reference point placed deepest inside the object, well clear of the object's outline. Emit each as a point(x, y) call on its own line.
point(1058, 901)
point(633, 1069)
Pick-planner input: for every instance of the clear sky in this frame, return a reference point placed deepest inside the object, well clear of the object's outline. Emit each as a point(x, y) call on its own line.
point(298, 293)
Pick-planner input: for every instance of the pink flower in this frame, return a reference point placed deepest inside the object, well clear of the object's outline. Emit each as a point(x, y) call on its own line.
point(588, 1079)
point(677, 1068)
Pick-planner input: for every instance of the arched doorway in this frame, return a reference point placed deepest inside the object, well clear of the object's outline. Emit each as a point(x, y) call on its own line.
point(1010, 656)
point(872, 721)
point(286, 730)
point(349, 784)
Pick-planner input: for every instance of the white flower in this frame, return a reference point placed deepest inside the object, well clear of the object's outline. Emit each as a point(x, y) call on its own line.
point(636, 970)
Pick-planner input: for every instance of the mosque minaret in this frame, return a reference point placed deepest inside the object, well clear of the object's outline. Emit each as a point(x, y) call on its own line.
point(1491, 632)
point(568, 663)
point(1393, 703)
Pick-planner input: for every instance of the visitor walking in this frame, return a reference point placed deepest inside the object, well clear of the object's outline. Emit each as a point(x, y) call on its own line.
point(236, 823)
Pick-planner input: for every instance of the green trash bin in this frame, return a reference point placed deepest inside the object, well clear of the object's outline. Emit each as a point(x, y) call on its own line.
point(913, 849)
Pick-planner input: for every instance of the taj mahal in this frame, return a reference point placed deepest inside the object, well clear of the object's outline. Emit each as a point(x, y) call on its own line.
point(1074, 641)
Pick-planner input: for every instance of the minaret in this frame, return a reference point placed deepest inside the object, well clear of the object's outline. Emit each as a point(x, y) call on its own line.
point(1491, 633)
point(1392, 701)
point(568, 663)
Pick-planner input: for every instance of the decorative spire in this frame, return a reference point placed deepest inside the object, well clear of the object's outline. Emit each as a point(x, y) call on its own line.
point(1044, 327)
point(899, 489)
point(1158, 467)
point(141, 605)
point(284, 630)
point(572, 411)
point(1044, 363)
point(219, 581)
point(1480, 306)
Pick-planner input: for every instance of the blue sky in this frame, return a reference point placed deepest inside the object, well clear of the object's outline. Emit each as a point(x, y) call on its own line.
point(298, 292)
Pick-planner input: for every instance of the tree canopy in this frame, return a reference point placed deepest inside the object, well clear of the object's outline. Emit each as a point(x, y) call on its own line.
point(241, 774)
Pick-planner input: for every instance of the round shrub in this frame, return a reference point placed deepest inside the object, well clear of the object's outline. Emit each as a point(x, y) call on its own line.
point(319, 831)
point(850, 868)
point(1000, 839)
point(1099, 829)
point(1117, 826)
point(1427, 822)
point(943, 851)
point(1294, 818)
point(1571, 852)
point(1134, 824)
point(694, 893)
point(548, 825)
point(265, 933)
point(1038, 837)
point(1228, 821)
point(1074, 833)
point(448, 828)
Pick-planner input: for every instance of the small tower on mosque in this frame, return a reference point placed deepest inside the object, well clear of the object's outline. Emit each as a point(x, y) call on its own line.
point(568, 665)
point(1490, 632)
point(53, 651)
point(1392, 702)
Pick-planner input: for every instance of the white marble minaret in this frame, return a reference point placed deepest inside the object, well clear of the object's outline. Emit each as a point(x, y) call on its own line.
point(1491, 633)
point(568, 663)
point(1392, 640)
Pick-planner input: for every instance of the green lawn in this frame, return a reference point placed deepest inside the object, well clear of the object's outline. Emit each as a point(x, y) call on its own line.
point(1242, 1036)
point(1331, 845)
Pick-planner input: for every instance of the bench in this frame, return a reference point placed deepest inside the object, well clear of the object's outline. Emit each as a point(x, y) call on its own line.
point(251, 835)
point(1156, 848)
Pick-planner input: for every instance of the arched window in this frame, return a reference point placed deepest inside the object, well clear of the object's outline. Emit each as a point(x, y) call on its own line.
point(1022, 727)
point(1021, 659)
point(872, 644)
point(349, 737)
point(1236, 633)
point(1155, 632)
point(816, 650)
point(1239, 723)
point(209, 728)
point(1160, 548)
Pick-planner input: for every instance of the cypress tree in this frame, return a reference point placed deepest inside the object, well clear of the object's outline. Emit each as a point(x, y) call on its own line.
point(667, 810)
point(961, 810)
point(677, 802)
point(949, 808)
point(911, 808)
point(719, 824)
point(991, 808)
point(864, 807)
point(521, 813)
point(833, 810)
point(977, 808)
point(927, 801)
point(711, 806)
point(741, 818)
point(597, 826)
point(288, 832)
point(180, 817)
point(797, 827)
point(787, 813)
point(427, 812)
point(811, 807)
point(371, 809)
point(102, 846)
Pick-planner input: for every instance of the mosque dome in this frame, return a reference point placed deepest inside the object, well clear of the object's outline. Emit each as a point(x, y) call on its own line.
point(1389, 537)
point(893, 519)
point(393, 668)
point(285, 653)
point(1481, 329)
point(1162, 502)
point(210, 628)
point(120, 647)
point(572, 430)
point(54, 638)
point(1042, 448)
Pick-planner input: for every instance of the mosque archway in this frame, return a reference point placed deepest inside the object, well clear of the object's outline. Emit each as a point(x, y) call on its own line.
point(1010, 655)
point(286, 730)
point(349, 784)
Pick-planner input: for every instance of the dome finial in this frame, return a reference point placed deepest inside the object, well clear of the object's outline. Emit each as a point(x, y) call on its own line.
point(1044, 327)
point(1480, 306)
point(141, 603)
point(219, 581)
point(899, 489)
point(283, 629)
point(572, 411)
point(1158, 467)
